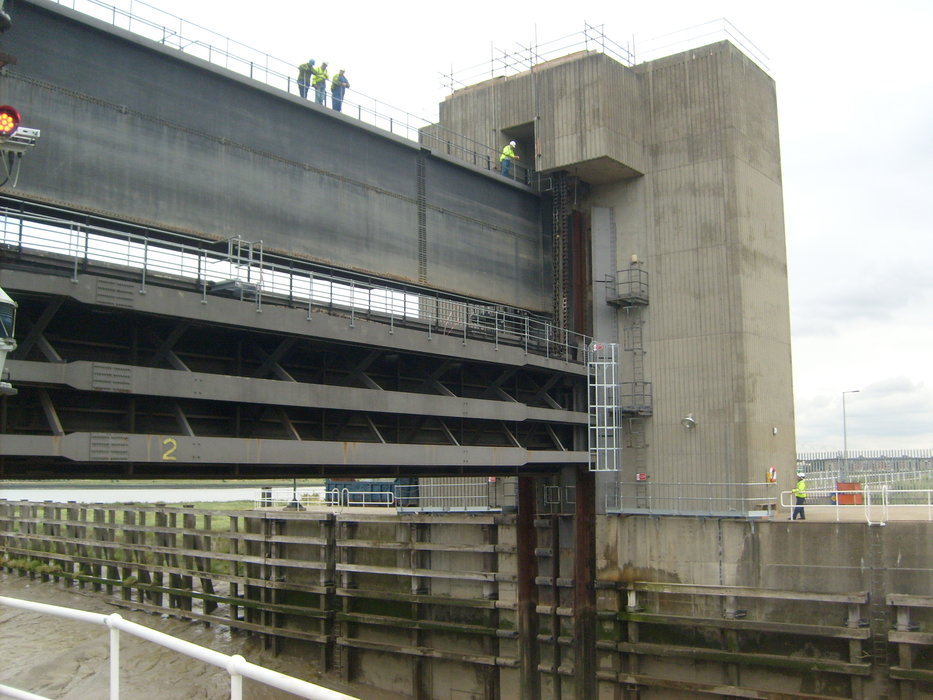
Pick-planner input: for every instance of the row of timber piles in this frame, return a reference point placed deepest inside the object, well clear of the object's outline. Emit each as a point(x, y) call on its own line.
point(425, 605)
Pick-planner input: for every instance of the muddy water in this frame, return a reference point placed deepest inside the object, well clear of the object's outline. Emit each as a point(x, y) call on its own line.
point(68, 660)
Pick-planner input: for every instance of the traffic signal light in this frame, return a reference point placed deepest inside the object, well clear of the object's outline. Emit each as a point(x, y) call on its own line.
point(9, 121)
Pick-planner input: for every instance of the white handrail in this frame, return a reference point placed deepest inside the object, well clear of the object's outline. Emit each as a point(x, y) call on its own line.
point(235, 665)
point(7, 691)
point(874, 501)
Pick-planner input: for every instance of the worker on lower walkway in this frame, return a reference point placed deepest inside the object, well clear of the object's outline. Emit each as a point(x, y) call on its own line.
point(800, 496)
point(506, 158)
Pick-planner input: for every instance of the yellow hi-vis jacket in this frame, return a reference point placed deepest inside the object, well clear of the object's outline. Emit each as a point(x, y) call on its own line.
point(320, 75)
point(507, 153)
point(800, 489)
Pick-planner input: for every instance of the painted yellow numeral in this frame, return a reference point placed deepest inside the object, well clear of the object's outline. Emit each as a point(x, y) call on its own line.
point(171, 444)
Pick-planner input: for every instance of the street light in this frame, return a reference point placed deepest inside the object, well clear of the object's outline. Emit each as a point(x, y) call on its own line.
point(845, 442)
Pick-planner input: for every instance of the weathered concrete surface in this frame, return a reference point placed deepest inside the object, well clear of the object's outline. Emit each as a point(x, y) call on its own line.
point(680, 158)
point(807, 556)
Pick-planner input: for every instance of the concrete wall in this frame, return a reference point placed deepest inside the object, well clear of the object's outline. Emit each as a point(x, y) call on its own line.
point(681, 162)
point(135, 130)
point(816, 557)
point(707, 221)
point(587, 108)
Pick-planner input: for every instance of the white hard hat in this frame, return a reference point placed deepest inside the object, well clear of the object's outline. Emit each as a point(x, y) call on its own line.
point(512, 144)
point(800, 474)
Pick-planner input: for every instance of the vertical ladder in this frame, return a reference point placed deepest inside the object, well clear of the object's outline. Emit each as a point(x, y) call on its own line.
point(638, 445)
point(246, 258)
point(633, 339)
point(634, 343)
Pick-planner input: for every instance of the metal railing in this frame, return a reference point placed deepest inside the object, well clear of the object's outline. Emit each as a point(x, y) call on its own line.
point(482, 494)
point(876, 506)
point(828, 480)
point(170, 30)
point(865, 465)
point(592, 38)
point(236, 666)
point(173, 31)
point(465, 495)
point(259, 281)
point(348, 498)
point(721, 499)
point(302, 497)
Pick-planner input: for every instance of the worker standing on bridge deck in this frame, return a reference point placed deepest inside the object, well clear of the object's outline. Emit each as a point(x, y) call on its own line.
point(800, 496)
point(505, 160)
point(305, 71)
point(338, 87)
point(319, 82)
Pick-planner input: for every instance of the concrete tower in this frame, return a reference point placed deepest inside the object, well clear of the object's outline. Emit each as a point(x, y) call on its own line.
point(669, 240)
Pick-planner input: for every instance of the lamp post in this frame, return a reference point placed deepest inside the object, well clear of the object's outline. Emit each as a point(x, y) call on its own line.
point(845, 442)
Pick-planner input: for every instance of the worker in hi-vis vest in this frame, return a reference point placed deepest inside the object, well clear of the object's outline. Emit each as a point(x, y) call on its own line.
point(305, 71)
point(505, 160)
point(800, 496)
point(319, 83)
point(338, 87)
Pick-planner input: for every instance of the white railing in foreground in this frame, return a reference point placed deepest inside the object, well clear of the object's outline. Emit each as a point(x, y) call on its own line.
point(235, 665)
point(877, 504)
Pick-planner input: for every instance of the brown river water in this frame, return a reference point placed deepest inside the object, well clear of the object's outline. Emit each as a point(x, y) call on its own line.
point(69, 660)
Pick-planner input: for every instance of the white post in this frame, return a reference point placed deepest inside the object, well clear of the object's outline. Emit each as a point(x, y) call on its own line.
point(236, 680)
point(112, 622)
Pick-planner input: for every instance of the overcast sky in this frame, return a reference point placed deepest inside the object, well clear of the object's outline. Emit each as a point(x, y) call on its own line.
point(855, 101)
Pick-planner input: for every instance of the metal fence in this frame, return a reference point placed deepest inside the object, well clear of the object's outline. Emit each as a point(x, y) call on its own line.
point(593, 39)
point(828, 480)
point(863, 464)
point(242, 271)
point(291, 497)
point(236, 666)
point(876, 505)
point(480, 494)
point(676, 498)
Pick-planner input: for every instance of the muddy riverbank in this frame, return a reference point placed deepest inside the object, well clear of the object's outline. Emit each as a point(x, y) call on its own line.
point(68, 660)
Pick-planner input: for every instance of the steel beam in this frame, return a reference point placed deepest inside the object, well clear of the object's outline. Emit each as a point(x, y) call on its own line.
point(190, 305)
point(584, 578)
point(149, 448)
point(526, 543)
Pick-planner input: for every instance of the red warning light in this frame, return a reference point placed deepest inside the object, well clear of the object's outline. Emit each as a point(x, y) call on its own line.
point(9, 121)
